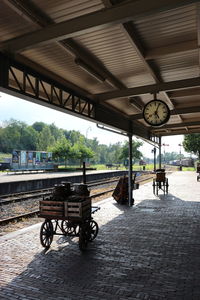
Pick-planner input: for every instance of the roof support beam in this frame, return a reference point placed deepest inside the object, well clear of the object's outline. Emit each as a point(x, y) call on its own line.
point(185, 93)
point(129, 27)
point(177, 111)
point(91, 22)
point(31, 12)
point(132, 34)
point(179, 125)
point(150, 89)
point(171, 49)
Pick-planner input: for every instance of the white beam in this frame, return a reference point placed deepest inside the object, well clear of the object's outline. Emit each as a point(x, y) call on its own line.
point(91, 22)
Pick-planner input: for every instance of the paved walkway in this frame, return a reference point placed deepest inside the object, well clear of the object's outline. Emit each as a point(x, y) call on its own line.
point(150, 251)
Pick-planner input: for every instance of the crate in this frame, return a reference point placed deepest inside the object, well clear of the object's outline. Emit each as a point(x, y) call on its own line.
point(65, 209)
point(160, 176)
point(78, 209)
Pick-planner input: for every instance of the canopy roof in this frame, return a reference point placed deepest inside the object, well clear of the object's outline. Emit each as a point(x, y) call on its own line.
point(105, 59)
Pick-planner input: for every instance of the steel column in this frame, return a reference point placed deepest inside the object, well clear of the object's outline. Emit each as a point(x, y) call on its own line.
point(154, 158)
point(4, 71)
point(160, 152)
point(84, 173)
point(130, 194)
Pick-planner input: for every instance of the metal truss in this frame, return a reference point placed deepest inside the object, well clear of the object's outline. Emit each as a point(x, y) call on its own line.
point(26, 82)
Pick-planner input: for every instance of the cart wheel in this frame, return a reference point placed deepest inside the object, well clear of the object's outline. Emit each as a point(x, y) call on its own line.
point(82, 238)
point(93, 230)
point(46, 234)
point(69, 228)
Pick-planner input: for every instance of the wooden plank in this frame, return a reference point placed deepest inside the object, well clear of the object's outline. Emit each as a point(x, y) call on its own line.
point(48, 202)
point(55, 208)
point(70, 209)
point(51, 213)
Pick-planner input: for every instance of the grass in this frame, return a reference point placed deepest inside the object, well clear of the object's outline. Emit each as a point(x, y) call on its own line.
point(188, 169)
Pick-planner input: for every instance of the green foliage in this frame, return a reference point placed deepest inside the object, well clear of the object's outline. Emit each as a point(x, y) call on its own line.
point(135, 151)
point(38, 126)
point(70, 146)
point(61, 149)
point(191, 143)
point(169, 156)
point(16, 135)
point(45, 139)
point(82, 152)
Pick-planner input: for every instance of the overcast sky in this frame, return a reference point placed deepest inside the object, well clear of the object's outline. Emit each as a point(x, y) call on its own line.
point(22, 110)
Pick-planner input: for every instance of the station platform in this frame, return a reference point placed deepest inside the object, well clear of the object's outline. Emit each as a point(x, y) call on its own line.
point(4, 177)
point(149, 251)
point(12, 183)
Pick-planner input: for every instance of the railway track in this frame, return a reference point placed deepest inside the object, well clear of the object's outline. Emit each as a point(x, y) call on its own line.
point(18, 197)
point(40, 194)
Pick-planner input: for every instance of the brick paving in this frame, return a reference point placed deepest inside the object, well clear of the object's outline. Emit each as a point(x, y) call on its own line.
point(149, 252)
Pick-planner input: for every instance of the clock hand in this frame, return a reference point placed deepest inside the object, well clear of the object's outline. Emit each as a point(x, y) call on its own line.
point(157, 108)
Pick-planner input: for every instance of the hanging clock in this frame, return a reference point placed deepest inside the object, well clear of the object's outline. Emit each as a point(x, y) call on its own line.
point(156, 112)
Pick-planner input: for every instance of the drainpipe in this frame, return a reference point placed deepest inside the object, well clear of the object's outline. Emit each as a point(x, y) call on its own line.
point(130, 194)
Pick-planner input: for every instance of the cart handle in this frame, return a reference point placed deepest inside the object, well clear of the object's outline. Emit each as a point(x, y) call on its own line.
point(94, 209)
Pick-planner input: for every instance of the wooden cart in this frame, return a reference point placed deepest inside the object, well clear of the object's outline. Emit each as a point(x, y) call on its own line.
point(72, 219)
point(160, 182)
point(120, 193)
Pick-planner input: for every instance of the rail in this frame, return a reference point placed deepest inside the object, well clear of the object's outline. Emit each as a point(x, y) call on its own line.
point(35, 212)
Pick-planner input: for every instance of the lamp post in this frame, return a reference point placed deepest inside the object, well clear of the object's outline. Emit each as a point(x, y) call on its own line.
point(89, 128)
point(180, 145)
point(154, 158)
point(164, 152)
point(86, 136)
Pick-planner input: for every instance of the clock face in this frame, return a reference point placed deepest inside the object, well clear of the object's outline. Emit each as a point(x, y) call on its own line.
point(156, 113)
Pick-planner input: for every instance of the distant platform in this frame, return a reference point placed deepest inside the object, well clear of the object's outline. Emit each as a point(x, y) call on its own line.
point(4, 177)
point(11, 183)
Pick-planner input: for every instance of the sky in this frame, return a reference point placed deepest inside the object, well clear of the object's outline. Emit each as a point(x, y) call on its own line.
point(28, 112)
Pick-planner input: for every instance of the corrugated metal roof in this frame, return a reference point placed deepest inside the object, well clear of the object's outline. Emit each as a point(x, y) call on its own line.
point(115, 51)
point(61, 10)
point(12, 24)
point(56, 59)
point(168, 27)
point(182, 66)
point(116, 54)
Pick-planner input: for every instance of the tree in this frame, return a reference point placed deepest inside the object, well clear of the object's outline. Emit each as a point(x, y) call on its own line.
point(61, 149)
point(191, 143)
point(56, 132)
point(38, 126)
point(45, 139)
point(11, 135)
point(136, 154)
point(29, 137)
point(73, 136)
point(82, 152)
